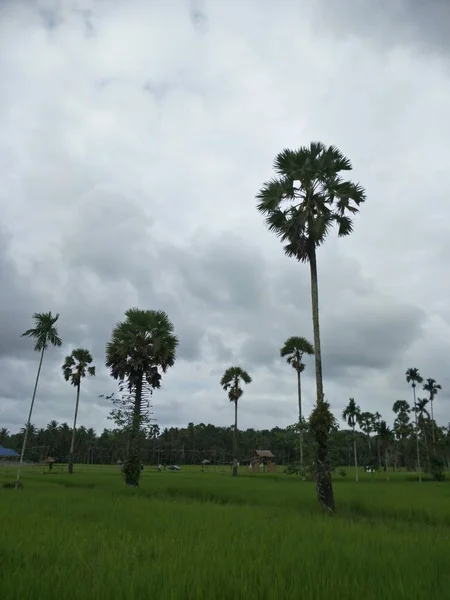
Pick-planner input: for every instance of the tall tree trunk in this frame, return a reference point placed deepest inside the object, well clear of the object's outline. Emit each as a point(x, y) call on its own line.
point(379, 452)
point(235, 442)
point(417, 435)
point(27, 429)
point(432, 422)
point(324, 485)
point(72, 443)
point(356, 456)
point(132, 470)
point(386, 464)
point(300, 420)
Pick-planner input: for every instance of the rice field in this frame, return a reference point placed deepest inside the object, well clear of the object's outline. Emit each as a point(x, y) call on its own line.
point(198, 535)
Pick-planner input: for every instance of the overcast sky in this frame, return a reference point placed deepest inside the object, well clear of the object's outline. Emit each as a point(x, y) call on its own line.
point(135, 135)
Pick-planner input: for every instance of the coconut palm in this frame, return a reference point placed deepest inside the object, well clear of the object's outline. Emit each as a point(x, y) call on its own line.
point(44, 333)
point(351, 414)
point(301, 205)
point(366, 420)
point(140, 346)
point(413, 377)
point(231, 382)
point(75, 368)
point(432, 387)
point(293, 350)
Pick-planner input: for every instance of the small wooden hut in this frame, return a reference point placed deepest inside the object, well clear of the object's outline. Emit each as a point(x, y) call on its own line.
point(264, 458)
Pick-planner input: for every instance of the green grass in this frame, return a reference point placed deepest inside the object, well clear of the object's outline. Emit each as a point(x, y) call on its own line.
point(207, 536)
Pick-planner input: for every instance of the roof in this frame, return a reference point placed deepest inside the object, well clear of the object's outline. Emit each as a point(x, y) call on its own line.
point(8, 453)
point(265, 454)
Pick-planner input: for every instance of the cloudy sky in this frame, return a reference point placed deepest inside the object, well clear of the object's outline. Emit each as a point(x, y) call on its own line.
point(134, 137)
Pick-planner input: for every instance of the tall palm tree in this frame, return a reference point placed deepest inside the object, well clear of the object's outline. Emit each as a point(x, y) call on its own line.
point(351, 414)
point(386, 437)
point(231, 382)
point(376, 428)
point(140, 345)
point(413, 377)
point(432, 387)
point(293, 350)
point(75, 368)
point(301, 204)
point(4, 435)
point(366, 420)
point(44, 333)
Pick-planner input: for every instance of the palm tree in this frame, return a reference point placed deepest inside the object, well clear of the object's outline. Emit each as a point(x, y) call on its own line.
point(386, 436)
point(293, 350)
point(140, 345)
point(231, 382)
point(366, 420)
point(75, 368)
point(4, 435)
point(43, 333)
point(413, 377)
point(351, 414)
point(301, 205)
point(376, 428)
point(432, 387)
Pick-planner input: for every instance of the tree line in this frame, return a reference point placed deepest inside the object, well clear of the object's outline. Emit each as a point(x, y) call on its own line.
point(301, 203)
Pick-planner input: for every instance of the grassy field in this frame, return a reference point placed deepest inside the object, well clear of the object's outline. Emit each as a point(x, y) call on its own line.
point(206, 536)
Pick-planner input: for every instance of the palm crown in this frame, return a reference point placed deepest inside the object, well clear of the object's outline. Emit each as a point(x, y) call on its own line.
point(308, 197)
point(140, 344)
point(432, 387)
point(77, 365)
point(351, 413)
point(294, 348)
point(44, 332)
point(413, 377)
point(231, 380)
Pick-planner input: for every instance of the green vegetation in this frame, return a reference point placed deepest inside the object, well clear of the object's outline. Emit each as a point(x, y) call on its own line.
point(195, 535)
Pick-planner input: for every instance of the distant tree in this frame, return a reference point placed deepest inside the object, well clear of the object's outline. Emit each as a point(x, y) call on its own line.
point(376, 427)
point(432, 387)
point(351, 414)
point(231, 382)
point(413, 377)
point(140, 345)
point(75, 368)
point(43, 333)
point(366, 420)
point(4, 435)
point(293, 350)
point(386, 438)
point(301, 205)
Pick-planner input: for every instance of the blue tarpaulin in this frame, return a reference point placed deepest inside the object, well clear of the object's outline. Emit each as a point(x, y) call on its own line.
point(8, 453)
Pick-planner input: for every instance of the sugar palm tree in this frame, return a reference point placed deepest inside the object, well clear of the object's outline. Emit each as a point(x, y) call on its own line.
point(75, 368)
point(44, 333)
point(366, 420)
point(413, 377)
point(351, 414)
point(293, 350)
point(231, 382)
point(301, 205)
point(432, 387)
point(140, 346)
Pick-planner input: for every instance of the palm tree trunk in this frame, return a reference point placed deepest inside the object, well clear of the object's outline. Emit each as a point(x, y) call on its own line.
point(324, 485)
point(417, 435)
point(132, 470)
point(27, 429)
point(299, 385)
point(356, 456)
point(235, 440)
point(379, 452)
point(72, 443)
point(386, 464)
point(432, 421)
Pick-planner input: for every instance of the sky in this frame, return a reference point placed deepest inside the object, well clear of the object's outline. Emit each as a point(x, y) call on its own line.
point(135, 136)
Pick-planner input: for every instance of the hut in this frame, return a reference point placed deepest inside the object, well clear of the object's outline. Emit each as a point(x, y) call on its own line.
point(264, 458)
point(6, 454)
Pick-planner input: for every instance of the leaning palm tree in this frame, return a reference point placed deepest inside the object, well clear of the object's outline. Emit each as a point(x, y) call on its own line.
point(43, 333)
point(140, 345)
point(293, 350)
point(351, 414)
point(75, 368)
point(432, 387)
point(413, 377)
point(231, 382)
point(301, 205)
